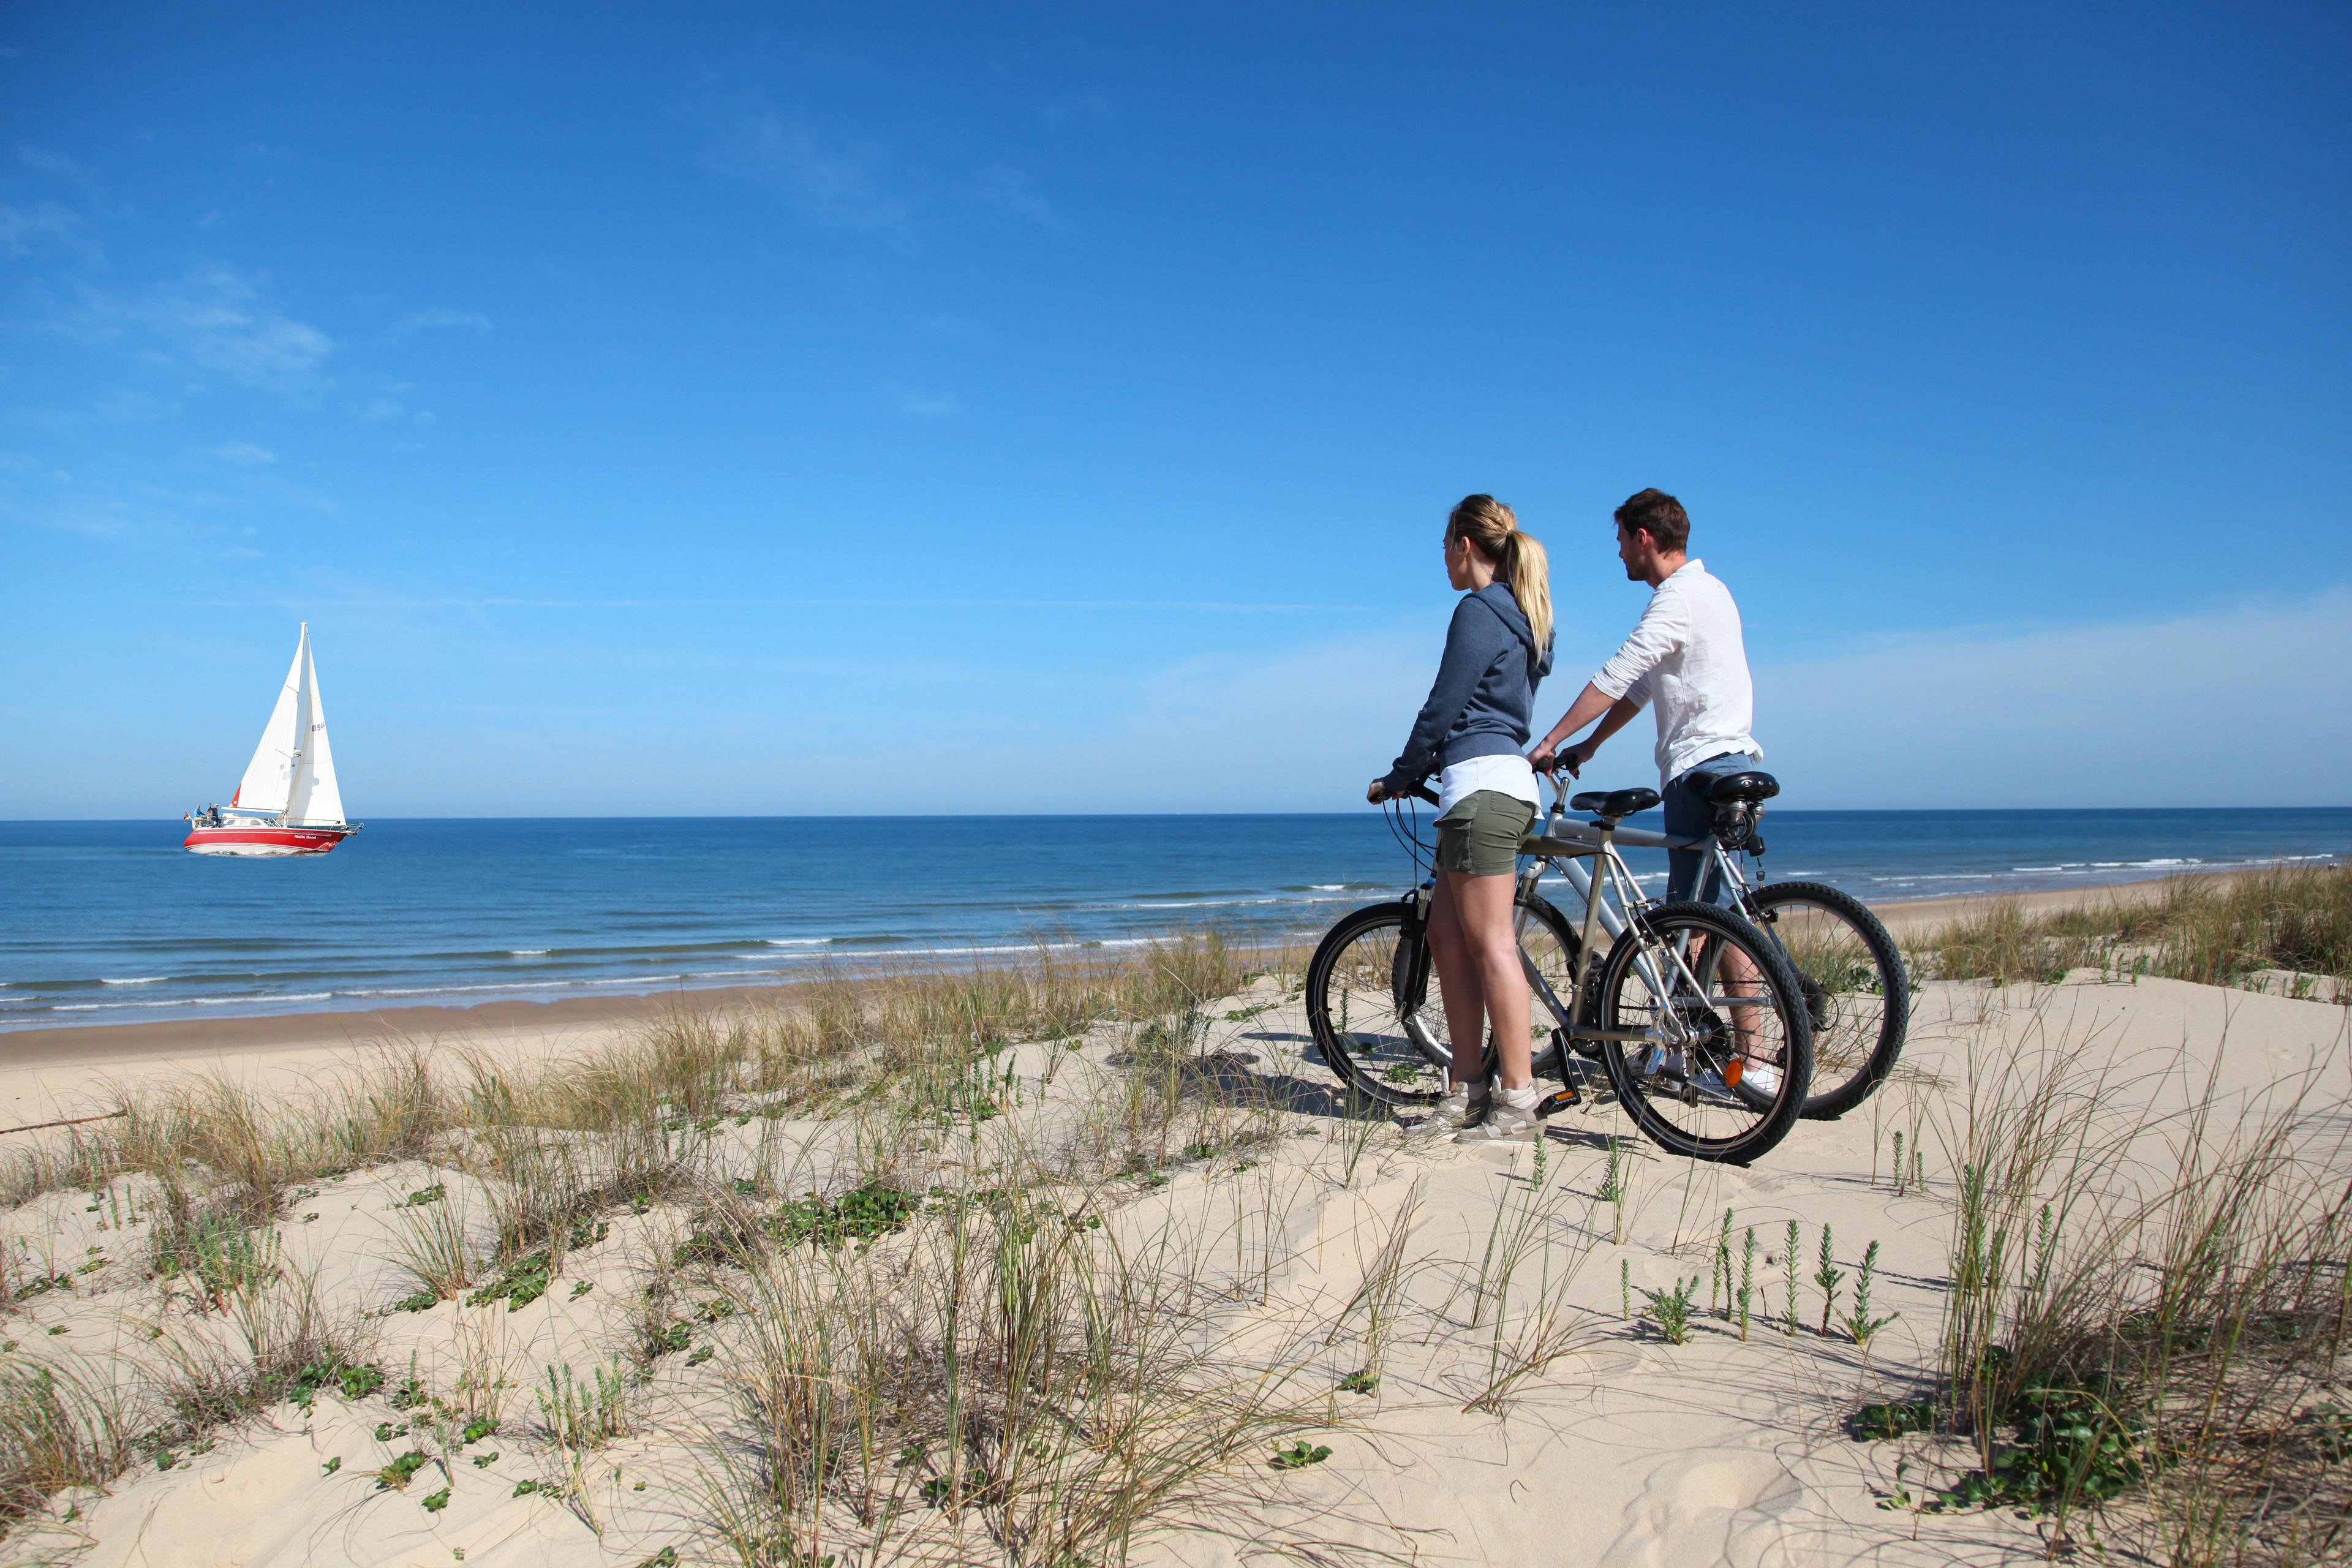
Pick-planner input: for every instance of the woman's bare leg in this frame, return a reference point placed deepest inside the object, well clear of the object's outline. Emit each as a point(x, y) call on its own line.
point(1482, 909)
point(1460, 977)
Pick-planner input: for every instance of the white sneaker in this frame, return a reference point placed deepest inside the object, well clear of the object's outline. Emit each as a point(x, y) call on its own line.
point(1504, 1122)
point(1462, 1106)
point(1754, 1078)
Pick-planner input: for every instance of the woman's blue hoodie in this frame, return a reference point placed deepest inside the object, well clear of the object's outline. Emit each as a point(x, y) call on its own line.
point(1485, 695)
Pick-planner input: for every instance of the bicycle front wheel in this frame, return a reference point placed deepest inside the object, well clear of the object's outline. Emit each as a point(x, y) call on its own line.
point(1723, 1055)
point(1857, 990)
point(1375, 1007)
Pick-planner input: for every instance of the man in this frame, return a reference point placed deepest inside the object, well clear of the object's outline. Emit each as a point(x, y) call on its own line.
point(1686, 657)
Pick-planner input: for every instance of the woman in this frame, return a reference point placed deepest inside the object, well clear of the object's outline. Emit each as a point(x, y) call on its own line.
point(1470, 733)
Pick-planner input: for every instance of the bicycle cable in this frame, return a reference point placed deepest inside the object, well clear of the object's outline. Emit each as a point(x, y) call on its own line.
point(1409, 837)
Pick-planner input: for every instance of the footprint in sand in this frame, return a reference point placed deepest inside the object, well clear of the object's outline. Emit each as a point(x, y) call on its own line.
point(1720, 1507)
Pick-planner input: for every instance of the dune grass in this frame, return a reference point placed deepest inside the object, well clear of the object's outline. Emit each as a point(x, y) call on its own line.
point(2146, 1327)
point(2216, 931)
point(2144, 1333)
point(1067, 1396)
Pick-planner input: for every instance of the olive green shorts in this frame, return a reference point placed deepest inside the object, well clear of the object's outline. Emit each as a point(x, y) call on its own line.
point(1481, 835)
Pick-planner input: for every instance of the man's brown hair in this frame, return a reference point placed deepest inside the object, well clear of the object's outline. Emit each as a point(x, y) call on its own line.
point(1661, 516)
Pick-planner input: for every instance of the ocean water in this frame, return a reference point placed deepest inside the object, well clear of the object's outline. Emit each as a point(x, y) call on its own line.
point(113, 922)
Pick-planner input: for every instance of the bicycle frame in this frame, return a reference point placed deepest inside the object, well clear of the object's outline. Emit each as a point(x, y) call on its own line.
point(1566, 844)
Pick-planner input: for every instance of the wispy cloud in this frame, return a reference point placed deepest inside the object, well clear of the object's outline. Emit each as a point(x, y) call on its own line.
point(214, 319)
point(1084, 107)
point(392, 404)
point(427, 320)
point(41, 226)
point(244, 454)
point(835, 183)
point(929, 405)
point(59, 169)
point(948, 324)
point(58, 165)
point(1002, 185)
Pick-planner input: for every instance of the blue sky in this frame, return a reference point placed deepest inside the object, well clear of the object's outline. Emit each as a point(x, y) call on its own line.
point(696, 409)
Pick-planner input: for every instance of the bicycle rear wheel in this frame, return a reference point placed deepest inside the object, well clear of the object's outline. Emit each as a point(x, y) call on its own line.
point(1857, 990)
point(1747, 1006)
point(1373, 1002)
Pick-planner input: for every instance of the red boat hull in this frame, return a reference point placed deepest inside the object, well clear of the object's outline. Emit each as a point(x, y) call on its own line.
point(253, 841)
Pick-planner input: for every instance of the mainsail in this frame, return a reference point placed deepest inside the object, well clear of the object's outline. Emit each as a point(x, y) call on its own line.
point(316, 800)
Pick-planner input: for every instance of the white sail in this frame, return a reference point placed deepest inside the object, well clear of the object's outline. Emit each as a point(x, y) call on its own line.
point(316, 800)
point(270, 778)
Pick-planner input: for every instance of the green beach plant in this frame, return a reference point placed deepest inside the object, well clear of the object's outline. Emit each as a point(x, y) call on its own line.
point(1671, 1308)
point(1789, 1277)
point(1746, 1281)
point(1829, 1276)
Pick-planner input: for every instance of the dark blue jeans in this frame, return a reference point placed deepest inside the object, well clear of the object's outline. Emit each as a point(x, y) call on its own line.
point(1690, 814)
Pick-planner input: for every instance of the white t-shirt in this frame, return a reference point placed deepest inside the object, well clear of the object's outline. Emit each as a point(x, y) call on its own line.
point(1686, 657)
point(1508, 774)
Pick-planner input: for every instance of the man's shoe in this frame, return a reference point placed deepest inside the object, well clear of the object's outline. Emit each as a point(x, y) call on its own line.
point(1754, 1078)
point(1462, 1106)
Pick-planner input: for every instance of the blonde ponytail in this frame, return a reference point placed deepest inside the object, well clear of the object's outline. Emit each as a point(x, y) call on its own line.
point(1494, 529)
point(1529, 570)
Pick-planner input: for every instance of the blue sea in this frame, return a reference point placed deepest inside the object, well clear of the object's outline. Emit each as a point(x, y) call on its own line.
point(112, 922)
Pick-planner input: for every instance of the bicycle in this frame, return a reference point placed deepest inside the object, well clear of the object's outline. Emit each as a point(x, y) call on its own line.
point(1857, 990)
point(1674, 1031)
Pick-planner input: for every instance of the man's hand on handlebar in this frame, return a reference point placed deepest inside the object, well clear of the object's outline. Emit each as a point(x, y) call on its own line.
point(1544, 760)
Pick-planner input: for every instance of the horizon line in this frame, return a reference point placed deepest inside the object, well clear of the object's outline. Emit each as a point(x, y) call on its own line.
point(995, 815)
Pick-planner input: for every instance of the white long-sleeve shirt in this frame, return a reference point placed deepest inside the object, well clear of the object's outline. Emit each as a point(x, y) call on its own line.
point(1687, 658)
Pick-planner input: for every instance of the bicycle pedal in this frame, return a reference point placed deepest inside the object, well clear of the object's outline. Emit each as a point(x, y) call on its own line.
point(1559, 1100)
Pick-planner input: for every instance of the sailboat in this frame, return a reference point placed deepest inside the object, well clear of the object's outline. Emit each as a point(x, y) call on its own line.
point(288, 801)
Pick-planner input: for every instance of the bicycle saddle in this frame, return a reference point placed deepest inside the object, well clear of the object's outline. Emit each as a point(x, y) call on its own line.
point(1610, 805)
point(1747, 784)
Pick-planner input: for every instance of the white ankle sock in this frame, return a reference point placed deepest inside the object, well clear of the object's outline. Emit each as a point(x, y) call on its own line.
point(1519, 1098)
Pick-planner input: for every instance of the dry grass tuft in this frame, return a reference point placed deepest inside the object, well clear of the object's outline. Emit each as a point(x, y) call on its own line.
point(2146, 1320)
point(977, 1358)
point(999, 1369)
point(2212, 931)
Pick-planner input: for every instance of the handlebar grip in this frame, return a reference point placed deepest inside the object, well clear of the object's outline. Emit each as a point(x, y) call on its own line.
point(1423, 792)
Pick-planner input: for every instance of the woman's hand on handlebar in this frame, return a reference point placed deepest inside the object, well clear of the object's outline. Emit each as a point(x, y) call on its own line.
point(1380, 791)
